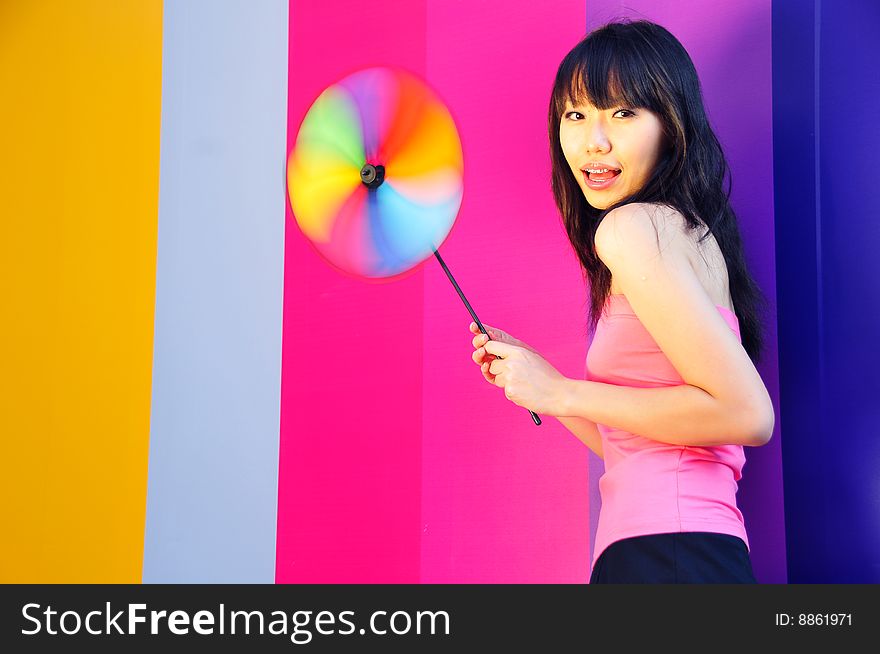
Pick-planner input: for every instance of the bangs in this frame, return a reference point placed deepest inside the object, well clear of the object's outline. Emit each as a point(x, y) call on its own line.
point(605, 73)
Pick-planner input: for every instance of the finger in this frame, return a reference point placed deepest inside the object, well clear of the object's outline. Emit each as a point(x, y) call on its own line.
point(499, 348)
point(500, 381)
point(479, 339)
point(476, 330)
point(480, 356)
point(496, 367)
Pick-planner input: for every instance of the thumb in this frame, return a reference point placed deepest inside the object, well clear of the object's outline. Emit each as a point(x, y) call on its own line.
point(499, 348)
point(497, 334)
point(476, 330)
point(503, 336)
point(492, 332)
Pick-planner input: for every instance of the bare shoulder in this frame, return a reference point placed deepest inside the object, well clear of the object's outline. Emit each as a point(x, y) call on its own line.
point(651, 268)
point(630, 229)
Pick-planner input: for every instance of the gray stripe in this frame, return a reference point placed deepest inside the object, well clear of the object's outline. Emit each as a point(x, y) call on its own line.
point(213, 467)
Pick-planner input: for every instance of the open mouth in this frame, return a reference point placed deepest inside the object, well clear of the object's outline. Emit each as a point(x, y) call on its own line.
point(605, 175)
point(599, 181)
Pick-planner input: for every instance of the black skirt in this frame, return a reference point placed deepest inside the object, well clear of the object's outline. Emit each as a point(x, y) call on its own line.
point(693, 557)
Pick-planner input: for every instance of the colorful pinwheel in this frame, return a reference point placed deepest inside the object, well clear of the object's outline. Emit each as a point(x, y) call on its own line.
point(375, 175)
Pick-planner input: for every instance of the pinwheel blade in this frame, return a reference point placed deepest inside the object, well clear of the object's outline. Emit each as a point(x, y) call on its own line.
point(387, 124)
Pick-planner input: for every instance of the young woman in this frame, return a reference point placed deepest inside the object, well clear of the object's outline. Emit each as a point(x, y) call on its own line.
point(671, 394)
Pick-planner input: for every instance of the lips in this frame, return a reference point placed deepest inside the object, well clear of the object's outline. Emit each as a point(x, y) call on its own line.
point(598, 165)
point(610, 172)
point(601, 177)
point(599, 182)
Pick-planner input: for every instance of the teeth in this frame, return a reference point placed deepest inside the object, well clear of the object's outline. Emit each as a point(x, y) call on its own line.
point(602, 170)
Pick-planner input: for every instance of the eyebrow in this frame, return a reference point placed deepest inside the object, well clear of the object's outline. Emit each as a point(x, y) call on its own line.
point(617, 103)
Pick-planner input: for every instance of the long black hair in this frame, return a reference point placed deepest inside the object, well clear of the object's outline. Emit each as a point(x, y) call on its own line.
point(641, 64)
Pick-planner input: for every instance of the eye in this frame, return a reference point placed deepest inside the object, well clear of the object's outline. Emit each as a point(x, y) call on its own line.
point(626, 111)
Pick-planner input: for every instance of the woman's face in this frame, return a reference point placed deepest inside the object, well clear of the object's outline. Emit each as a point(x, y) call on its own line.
point(622, 138)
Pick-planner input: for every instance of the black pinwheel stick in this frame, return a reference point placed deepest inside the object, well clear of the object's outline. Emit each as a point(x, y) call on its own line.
point(472, 312)
point(372, 176)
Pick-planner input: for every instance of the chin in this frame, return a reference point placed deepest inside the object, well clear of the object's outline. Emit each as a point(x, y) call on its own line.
point(596, 203)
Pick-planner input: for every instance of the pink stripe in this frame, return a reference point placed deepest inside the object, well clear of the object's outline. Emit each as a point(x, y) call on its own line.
point(351, 382)
point(398, 462)
point(503, 500)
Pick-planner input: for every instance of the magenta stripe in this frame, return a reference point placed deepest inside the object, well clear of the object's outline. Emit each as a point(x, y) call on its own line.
point(504, 500)
point(349, 494)
point(399, 463)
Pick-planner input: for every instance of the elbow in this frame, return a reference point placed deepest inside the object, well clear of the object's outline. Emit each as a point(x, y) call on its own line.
point(761, 425)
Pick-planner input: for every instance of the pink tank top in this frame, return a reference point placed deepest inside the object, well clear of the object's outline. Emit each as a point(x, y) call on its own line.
point(651, 487)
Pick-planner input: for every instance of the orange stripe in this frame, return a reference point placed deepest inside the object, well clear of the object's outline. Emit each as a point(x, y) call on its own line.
point(79, 191)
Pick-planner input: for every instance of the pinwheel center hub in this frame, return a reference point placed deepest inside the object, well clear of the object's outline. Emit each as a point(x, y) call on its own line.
point(373, 176)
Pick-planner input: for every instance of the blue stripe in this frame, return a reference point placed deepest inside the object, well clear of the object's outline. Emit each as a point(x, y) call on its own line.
point(825, 135)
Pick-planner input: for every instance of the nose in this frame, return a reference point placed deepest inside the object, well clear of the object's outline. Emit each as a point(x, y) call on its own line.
point(597, 140)
point(594, 136)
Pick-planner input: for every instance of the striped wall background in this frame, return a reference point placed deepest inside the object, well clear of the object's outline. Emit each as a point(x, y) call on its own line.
point(190, 394)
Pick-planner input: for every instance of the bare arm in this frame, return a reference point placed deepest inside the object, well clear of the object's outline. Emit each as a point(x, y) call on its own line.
point(680, 415)
point(586, 432)
point(723, 398)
